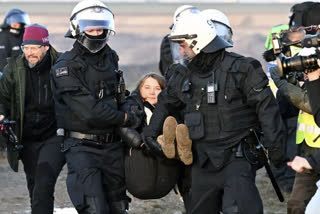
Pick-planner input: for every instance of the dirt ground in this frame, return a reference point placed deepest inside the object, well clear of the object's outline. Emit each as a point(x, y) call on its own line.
point(140, 28)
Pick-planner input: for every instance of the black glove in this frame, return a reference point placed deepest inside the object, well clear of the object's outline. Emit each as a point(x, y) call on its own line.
point(134, 118)
point(131, 137)
point(277, 158)
point(152, 146)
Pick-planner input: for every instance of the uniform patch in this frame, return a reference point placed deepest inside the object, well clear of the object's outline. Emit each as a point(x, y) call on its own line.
point(60, 72)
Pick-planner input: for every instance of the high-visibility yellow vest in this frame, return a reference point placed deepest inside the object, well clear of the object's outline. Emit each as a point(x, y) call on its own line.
point(307, 130)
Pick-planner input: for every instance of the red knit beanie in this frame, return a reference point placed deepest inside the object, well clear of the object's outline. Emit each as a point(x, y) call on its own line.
point(35, 35)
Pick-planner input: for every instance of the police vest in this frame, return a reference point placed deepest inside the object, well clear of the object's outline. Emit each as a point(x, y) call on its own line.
point(307, 130)
point(229, 119)
point(101, 82)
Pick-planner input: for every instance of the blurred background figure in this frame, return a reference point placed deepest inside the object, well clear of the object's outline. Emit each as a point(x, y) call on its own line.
point(11, 32)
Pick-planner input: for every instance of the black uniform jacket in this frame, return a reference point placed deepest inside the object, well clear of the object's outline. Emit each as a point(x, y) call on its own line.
point(9, 45)
point(313, 89)
point(84, 86)
point(245, 85)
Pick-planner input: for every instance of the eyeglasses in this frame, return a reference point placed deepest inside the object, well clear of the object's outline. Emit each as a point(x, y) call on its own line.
point(33, 49)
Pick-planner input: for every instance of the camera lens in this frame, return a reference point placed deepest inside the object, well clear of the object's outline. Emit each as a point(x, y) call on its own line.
point(300, 63)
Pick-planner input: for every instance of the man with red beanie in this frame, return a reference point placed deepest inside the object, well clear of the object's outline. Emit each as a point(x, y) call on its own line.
point(26, 97)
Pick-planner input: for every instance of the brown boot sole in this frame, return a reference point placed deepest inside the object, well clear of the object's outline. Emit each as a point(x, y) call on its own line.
point(169, 134)
point(184, 144)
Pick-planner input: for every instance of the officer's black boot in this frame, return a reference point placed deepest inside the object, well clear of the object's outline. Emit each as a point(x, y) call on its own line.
point(187, 202)
point(119, 207)
point(93, 205)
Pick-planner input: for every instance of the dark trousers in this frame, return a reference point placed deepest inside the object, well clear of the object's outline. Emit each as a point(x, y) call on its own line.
point(43, 162)
point(184, 187)
point(304, 186)
point(95, 179)
point(231, 190)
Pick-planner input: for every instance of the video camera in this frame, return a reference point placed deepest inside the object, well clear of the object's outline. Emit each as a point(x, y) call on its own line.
point(298, 38)
point(7, 131)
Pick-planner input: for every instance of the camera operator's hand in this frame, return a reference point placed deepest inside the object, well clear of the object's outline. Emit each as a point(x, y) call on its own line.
point(275, 75)
point(314, 75)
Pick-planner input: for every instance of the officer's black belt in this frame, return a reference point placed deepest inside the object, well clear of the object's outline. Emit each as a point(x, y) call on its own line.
point(105, 138)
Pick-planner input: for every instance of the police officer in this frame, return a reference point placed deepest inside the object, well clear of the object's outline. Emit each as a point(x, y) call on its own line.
point(11, 32)
point(86, 83)
point(166, 56)
point(216, 89)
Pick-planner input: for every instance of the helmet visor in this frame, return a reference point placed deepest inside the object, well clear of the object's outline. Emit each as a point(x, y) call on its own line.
point(18, 18)
point(175, 52)
point(223, 32)
point(95, 18)
point(87, 24)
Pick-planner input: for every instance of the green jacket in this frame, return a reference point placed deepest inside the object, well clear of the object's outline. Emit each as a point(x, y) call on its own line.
point(12, 89)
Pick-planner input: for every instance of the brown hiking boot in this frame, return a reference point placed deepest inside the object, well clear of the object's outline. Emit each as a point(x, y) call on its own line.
point(184, 144)
point(169, 135)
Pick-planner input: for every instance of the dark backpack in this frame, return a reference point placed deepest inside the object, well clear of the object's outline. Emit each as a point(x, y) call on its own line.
point(305, 14)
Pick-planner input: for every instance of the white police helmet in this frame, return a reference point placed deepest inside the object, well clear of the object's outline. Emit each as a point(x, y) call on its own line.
point(199, 33)
point(183, 10)
point(90, 15)
point(221, 23)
